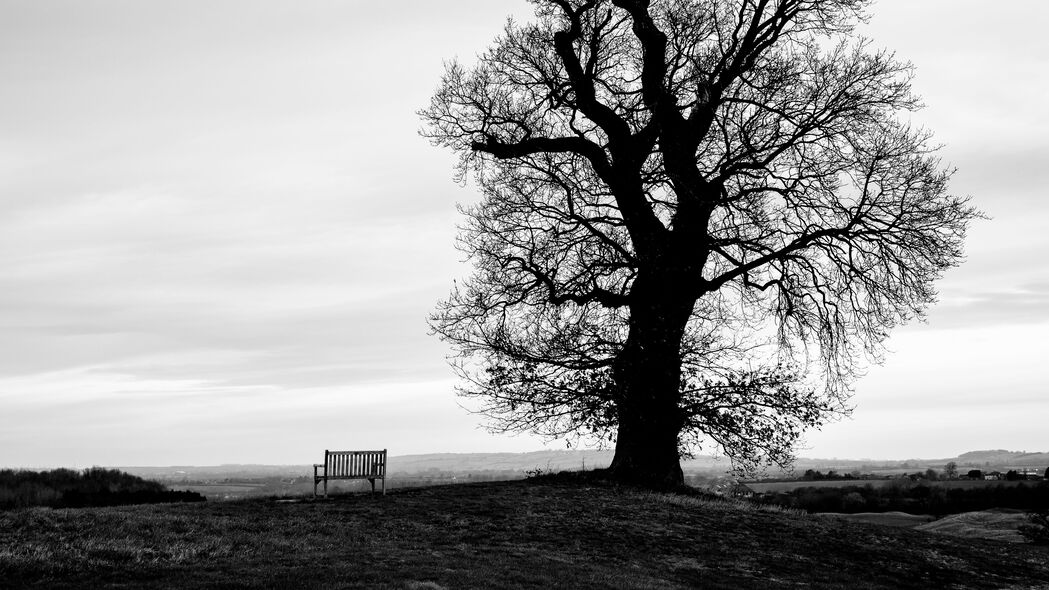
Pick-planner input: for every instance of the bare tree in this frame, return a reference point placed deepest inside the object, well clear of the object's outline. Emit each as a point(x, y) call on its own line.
point(700, 218)
point(950, 470)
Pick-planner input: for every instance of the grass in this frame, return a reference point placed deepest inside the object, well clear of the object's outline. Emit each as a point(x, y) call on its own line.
point(547, 533)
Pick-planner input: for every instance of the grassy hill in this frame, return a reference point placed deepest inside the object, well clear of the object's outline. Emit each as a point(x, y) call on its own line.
point(1003, 457)
point(547, 533)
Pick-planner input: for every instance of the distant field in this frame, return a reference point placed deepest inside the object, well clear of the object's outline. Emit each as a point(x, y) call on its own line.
point(212, 490)
point(997, 525)
point(237, 490)
point(786, 486)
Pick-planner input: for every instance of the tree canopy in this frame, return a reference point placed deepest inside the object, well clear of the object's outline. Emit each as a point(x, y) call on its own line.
point(699, 220)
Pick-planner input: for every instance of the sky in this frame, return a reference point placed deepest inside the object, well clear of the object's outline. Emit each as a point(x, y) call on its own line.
point(221, 234)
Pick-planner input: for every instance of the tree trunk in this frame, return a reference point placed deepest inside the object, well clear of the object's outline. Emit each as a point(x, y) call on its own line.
point(647, 449)
point(647, 373)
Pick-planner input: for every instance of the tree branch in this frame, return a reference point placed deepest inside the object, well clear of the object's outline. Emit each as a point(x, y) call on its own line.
point(537, 145)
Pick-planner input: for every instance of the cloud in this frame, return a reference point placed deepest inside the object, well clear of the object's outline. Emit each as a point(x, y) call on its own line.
point(974, 308)
point(114, 419)
point(128, 274)
point(221, 230)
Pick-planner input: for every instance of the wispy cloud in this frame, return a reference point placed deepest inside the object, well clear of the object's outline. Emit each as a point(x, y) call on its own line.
point(1026, 305)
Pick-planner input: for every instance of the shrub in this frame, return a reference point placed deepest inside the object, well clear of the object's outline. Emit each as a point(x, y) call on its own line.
point(922, 497)
point(1037, 531)
point(853, 502)
point(66, 488)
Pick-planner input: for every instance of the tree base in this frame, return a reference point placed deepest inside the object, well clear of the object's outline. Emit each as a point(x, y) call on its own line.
point(650, 471)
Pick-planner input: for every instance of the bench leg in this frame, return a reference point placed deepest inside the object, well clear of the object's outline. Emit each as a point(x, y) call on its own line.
point(325, 488)
point(372, 481)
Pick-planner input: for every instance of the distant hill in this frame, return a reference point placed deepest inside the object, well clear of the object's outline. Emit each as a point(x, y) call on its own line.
point(177, 473)
point(578, 459)
point(546, 461)
point(1003, 457)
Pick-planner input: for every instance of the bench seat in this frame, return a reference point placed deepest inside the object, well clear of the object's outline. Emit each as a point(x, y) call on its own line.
point(369, 465)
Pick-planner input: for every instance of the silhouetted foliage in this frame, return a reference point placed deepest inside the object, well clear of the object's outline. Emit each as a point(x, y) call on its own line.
point(1037, 530)
point(816, 475)
point(700, 219)
point(67, 488)
point(974, 474)
point(950, 470)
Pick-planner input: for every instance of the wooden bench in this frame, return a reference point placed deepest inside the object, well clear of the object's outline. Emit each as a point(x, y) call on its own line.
point(369, 465)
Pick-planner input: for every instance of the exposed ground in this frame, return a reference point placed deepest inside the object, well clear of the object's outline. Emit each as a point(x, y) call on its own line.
point(894, 519)
point(999, 525)
point(525, 534)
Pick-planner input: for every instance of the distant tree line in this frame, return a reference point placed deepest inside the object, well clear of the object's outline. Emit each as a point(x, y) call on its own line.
point(817, 475)
point(69, 488)
point(1010, 475)
point(912, 497)
point(950, 471)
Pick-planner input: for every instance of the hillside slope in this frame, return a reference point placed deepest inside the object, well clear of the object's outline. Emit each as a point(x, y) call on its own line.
point(1003, 457)
point(525, 534)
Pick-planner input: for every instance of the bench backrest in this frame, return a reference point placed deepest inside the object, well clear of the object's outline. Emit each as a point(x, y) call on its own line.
point(355, 463)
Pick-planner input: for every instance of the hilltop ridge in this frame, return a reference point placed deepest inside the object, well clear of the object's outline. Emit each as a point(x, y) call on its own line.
point(1004, 456)
point(539, 533)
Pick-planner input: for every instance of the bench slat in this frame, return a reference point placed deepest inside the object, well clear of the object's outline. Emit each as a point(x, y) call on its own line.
point(370, 465)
